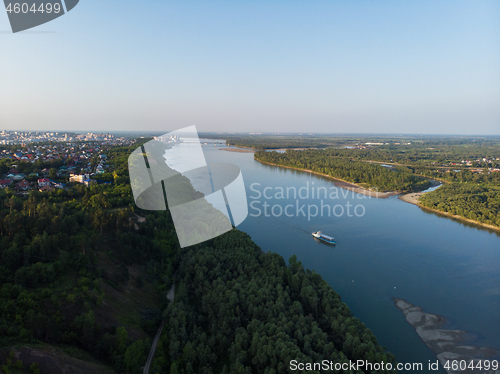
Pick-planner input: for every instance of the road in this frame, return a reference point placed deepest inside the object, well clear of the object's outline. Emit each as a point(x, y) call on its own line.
point(170, 296)
point(153, 349)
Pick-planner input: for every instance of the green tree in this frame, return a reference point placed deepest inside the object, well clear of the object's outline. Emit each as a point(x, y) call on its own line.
point(53, 173)
point(135, 357)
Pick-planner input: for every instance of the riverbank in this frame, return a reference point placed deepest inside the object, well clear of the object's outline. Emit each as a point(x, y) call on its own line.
point(459, 218)
point(413, 198)
point(238, 150)
point(448, 345)
point(241, 147)
point(342, 183)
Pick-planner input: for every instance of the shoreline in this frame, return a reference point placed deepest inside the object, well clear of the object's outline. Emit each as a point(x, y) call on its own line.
point(342, 183)
point(238, 150)
point(413, 197)
point(238, 146)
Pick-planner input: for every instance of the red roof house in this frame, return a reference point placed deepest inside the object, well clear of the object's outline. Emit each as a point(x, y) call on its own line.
point(43, 182)
point(5, 183)
point(23, 185)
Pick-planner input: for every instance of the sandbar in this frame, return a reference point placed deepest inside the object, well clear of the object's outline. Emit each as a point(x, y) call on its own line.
point(447, 344)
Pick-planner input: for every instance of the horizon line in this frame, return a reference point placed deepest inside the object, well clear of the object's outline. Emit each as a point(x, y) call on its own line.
point(280, 133)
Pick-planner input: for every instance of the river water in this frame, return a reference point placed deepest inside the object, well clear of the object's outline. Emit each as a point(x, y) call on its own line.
point(393, 250)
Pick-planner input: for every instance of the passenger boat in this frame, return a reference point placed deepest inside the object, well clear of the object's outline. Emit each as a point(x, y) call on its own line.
point(326, 238)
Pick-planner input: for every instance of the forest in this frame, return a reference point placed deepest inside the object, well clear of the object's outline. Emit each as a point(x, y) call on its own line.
point(239, 310)
point(276, 142)
point(471, 201)
point(444, 162)
point(86, 272)
point(365, 174)
point(68, 257)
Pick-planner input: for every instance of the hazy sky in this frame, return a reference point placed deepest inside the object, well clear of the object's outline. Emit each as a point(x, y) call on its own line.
point(316, 66)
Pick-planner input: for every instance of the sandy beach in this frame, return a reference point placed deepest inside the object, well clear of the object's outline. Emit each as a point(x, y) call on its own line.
point(411, 198)
point(354, 187)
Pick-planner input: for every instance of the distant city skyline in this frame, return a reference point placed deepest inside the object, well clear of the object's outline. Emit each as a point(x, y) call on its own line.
point(139, 133)
point(255, 66)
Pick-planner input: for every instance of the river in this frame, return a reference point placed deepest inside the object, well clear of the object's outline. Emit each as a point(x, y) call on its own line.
point(392, 250)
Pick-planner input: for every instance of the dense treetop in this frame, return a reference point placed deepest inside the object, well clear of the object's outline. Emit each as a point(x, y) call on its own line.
point(239, 310)
point(363, 173)
point(471, 201)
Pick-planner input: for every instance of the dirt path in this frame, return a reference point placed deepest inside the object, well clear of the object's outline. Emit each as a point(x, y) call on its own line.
point(153, 349)
point(170, 296)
